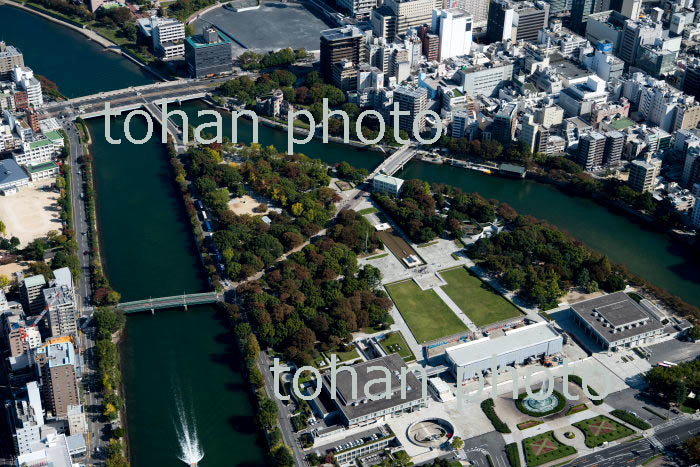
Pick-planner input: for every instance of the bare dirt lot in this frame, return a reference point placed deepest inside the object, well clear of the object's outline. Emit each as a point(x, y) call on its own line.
point(30, 213)
point(9, 270)
point(245, 204)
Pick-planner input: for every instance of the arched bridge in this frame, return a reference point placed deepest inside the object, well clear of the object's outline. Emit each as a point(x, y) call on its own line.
point(184, 300)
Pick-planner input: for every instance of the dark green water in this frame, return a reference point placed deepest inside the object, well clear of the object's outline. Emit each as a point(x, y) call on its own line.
point(79, 67)
point(175, 362)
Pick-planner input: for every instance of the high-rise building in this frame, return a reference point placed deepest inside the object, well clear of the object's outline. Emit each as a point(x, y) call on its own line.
point(168, 37)
point(30, 291)
point(643, 174)
point(614, 144)
point(691, 167)
point(631, 8)
point(26, 417)
point(10, 58)
point(464, 124)
point(430, 43)
point(56, 363)
point(25, 80)
point(691, 80)
point(413, 100)
point(359, 9)
point(634, 35)
point(412, 13)
point(580, 10)
point(338, 45)
point(528, 133)
point(484, 79)
point(454, 27)
point(18, 336)
point(60, 306)
point(384, 23)
point(208, 53)
point(504, 123)
point(510, 20)
point(591, 150)
point(478, 9)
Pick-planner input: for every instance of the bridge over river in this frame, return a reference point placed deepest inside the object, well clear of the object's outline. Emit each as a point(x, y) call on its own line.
point(184, 300)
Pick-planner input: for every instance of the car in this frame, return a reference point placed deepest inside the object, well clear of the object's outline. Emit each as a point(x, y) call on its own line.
point(86, 252)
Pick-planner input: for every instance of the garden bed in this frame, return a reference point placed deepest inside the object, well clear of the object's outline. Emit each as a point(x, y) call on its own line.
point(601, 429)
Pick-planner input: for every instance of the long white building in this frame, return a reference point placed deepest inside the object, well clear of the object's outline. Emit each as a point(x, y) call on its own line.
point(515, 347)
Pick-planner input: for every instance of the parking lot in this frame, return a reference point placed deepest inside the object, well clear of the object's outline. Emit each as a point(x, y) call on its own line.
point(274, 26)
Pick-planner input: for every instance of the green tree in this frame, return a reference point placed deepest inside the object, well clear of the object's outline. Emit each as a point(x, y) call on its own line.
point(457, 442)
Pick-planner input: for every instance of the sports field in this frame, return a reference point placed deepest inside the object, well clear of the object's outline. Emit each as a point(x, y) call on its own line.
point(476, 299)
point(425, 313)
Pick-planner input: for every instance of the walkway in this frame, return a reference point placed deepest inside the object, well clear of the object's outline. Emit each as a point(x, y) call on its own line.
point(455, 309)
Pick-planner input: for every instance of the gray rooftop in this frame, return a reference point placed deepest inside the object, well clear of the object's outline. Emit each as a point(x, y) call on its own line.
point(35, 281)
point(359, 406)
point(616, 316)
point(515, 339)
point(11, 172)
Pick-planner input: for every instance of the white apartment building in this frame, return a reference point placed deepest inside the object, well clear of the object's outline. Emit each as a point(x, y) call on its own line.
point(454, 28)
point(26, 417)
point(25, 80)
point(167, 35)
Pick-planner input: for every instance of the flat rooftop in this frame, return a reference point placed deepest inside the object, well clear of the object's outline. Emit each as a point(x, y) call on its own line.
point(513, 340)
point(616, 316)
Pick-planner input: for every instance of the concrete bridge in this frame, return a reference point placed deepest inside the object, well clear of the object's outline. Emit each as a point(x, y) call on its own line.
point(184, 300)
point(396, 161)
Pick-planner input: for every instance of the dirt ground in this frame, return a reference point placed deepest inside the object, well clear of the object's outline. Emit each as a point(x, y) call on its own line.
point(31, 213)
point(245, 205)
point(575, 296)
point(10, 269)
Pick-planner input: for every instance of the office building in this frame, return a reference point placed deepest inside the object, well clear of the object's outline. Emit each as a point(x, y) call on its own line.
point(340, 45)
point(478, 9)
point(413, 100)
point(358, 9)
point(51, 450)
point(454, 28)
point(351, 450)
point(59, 302)
point(168, 37)
point(591, 150)
point(26, 419)
point(464, 124)
point(549, 116)
point(387, 184)
point(504, 123)
point(384, 23)
point(19, 337)
point(484, 80)
point(430, 43)
point(616, 321)
point(528, 133)
point(642, 175)
point(691, 166)
point(634, 35)
point(691, 80)
point(515, 347)
point(579, 99)
point(56, 363)
point(30, 290)
point(77, 421)
point(356, 409)
point(10, 58)
point(511, 20)
point(24, 79)
point(580, 11)
point(208, 53)
point(606, 27)
point(411, 13)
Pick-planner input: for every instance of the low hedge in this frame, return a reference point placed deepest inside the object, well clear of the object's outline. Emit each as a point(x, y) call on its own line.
point(631, 419)
point(512, 453)
point(561, 403)
point(579, 382)
point(488, 407)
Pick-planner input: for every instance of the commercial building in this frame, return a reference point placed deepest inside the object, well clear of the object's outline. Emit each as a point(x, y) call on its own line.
point(56, 363)
point(511, 20)
point(358, 409)
point(10, 58)
point(350, 450)
point(30, 290)
point(168, 37)
point(414, 101)
point(340, 45)
point(411, 13)
point(12, 177)
point(454, 28)
point(387, 184)
point(484, 80)
point(359, 9)
point(515, 347)
point(19, 337)
point(24, 79)
point(580, 11)
point(635, 34)
point(26, 419)
point(504, 123)
point(614, 144)
point(616, 321)
point(691, 80)
point(209, 53)
point(479, 9)
point(59, 302)
point(579, 99)
point(52, 450)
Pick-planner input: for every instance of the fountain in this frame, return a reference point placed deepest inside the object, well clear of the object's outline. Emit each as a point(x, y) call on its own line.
point(190, 451)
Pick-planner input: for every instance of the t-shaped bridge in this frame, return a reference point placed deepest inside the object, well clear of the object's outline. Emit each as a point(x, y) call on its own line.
point(184, 300)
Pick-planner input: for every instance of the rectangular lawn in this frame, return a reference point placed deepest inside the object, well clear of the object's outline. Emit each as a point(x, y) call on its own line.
point(477, 299)
point(424, 311)
point(395, 343)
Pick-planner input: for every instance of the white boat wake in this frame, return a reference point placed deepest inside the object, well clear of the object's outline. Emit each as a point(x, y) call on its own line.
point(191, 452)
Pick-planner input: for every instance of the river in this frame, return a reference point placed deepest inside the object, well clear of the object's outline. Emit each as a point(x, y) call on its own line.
point(187, 357)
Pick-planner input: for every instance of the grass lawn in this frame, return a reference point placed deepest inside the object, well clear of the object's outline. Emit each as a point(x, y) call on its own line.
point(478, 300)
point(395, 343)
point(545, 448)
point(364, 212)
point(382, 255)
point(600, 429)
point(345, 356)
point(424, 311)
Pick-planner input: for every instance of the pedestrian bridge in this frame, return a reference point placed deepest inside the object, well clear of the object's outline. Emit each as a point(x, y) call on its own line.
point(184, 300)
